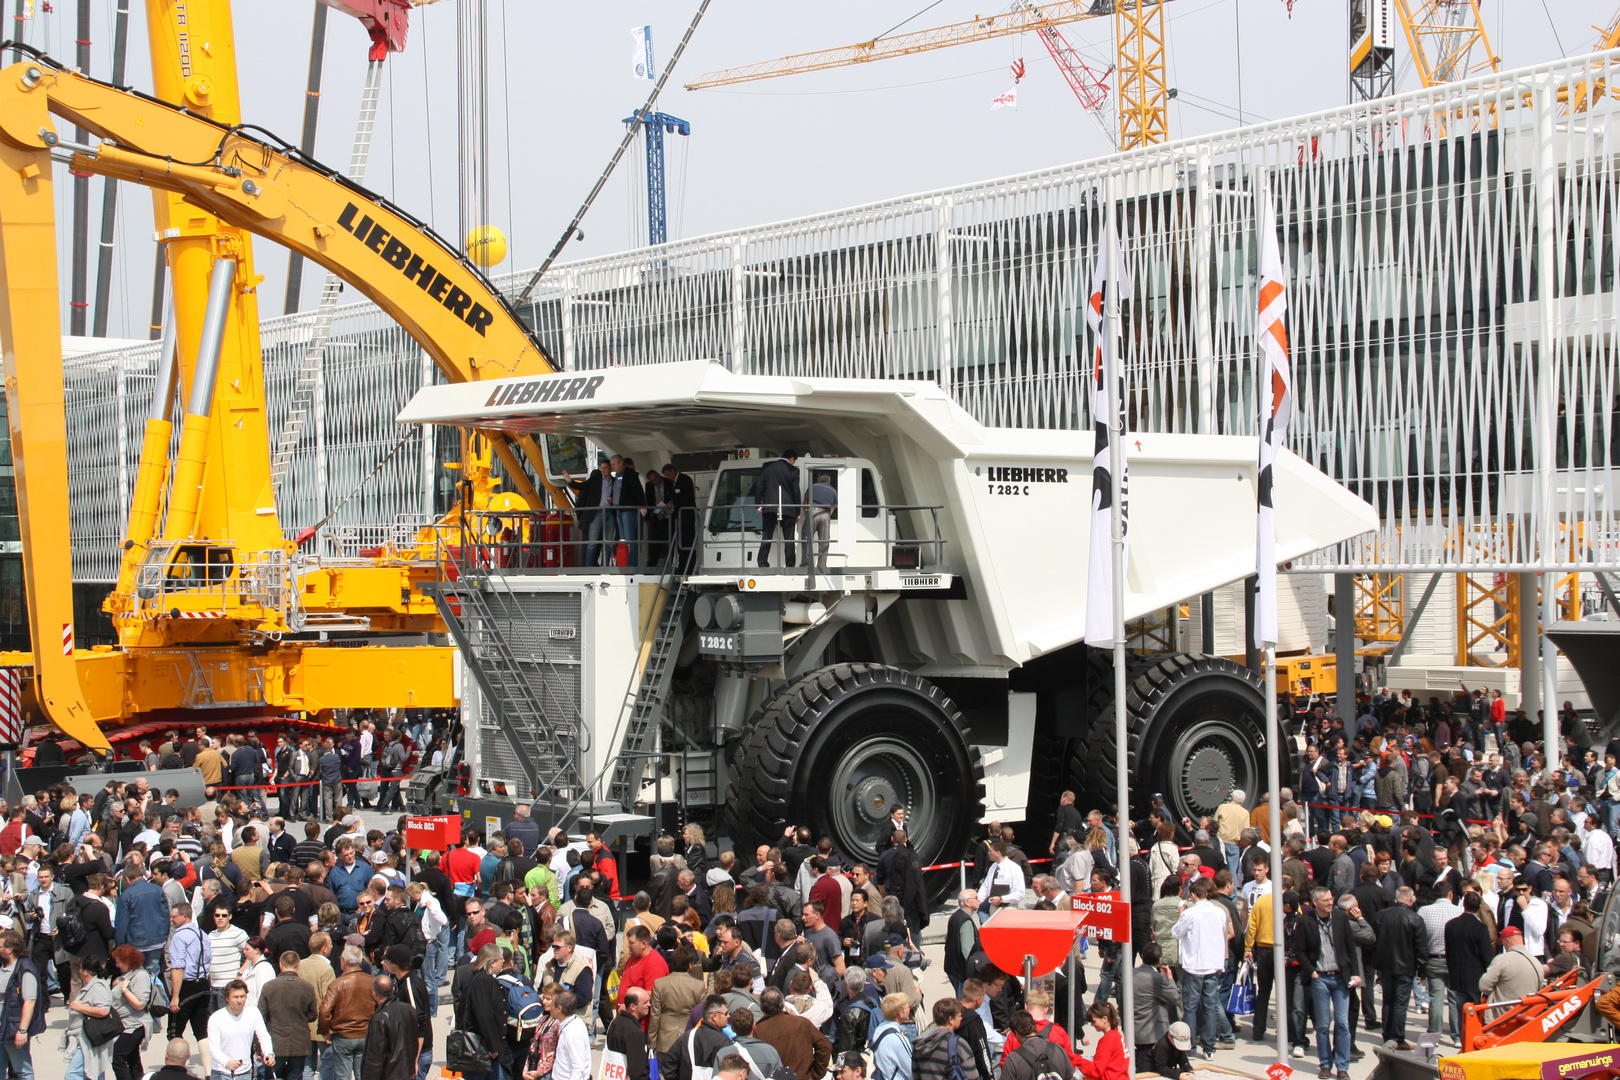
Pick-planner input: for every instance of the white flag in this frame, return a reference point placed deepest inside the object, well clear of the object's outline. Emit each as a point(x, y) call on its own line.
point(641, 58)
point(1107, 402)
point(1276, 408)
point(1009, 98)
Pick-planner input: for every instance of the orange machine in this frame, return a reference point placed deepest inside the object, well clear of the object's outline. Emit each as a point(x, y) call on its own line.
point(1533, 1018)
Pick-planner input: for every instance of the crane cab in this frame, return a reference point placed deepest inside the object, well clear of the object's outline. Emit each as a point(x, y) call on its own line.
point(861, 530)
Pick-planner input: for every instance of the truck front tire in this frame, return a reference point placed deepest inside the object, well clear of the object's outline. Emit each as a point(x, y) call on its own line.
point(839, 748)
point(1196, 730)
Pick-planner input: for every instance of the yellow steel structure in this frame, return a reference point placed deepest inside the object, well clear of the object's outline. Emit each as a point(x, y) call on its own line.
point(201, 613)
point(1443, 35)
point(1143, 95)
point(1380, 606)
point(1488, 620)
point(1139, 29)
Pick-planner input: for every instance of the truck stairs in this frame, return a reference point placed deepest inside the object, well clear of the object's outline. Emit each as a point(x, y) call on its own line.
point(526, 695)
point(644, 706)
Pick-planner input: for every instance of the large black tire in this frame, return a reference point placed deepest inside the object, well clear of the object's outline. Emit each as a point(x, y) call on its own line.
point(840, 746)
point(1196, 730)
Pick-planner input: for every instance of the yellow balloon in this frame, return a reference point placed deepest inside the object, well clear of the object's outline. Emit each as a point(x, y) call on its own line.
point(486, 246)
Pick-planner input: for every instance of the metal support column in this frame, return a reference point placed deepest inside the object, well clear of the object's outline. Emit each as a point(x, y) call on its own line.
point(1203, 325)
point(1206, 616)
point(1529, 654)
point(1549, 345)
point(945, 310)
point(1344, 645)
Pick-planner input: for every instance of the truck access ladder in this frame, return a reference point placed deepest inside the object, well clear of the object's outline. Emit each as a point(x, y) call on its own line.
point(645, 706)
point(523, 694)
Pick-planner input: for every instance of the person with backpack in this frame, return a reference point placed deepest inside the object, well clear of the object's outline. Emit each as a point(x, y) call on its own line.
point(392, 767)
point(525, 1008)
point(1038, 1003)
point(410, 988)
point(940, 1053)
point(84, 929)
point(394, 924)
point(1035, 1058)
point(891, 1049)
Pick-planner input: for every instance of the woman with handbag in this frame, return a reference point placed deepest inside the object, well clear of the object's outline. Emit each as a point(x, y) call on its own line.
point(92, 1028)
point(131, 997)
point(479, 1037)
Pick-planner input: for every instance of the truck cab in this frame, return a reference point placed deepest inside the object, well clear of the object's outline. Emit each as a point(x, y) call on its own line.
point(862, 527)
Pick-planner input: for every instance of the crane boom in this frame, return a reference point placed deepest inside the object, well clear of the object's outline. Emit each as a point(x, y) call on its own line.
point(1019, 21)
point(1442, 35)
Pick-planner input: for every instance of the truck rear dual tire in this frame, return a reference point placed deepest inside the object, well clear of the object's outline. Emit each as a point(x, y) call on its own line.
point(1196, 731)
point(839, 748)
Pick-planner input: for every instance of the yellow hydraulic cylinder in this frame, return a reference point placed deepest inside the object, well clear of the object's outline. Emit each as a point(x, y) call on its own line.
point(192, 457)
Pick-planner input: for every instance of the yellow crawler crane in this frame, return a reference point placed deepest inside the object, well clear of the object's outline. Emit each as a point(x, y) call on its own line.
point(210, 586)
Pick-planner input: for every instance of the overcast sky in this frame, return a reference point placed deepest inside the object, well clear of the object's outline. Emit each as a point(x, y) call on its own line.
point(561, 83)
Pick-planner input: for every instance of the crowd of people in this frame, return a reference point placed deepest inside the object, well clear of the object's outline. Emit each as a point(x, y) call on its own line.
point(1431, 857)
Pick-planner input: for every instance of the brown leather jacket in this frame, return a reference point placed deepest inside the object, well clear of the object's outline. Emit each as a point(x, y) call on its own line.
point(346, 1010)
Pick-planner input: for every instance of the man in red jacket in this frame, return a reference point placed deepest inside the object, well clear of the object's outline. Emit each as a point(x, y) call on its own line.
point(643, 967)
point(605, 863)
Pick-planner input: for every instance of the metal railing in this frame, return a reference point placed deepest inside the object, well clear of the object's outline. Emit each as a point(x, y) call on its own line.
point(891, 537)
point(212, 579)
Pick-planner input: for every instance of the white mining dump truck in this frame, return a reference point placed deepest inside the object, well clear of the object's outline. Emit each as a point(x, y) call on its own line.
point(938, 662)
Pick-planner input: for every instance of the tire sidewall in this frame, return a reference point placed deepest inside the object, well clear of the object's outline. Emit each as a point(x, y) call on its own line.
point(909, 710)
point(1186, 705)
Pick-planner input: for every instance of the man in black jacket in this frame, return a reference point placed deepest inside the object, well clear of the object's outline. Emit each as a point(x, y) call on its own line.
point(632, 499)
point(1401, 951)
point(778, 497)
point(699, 1045)
point(593, 510)
point(1334, 961)
point(906, 883)
point(680, 497)
point(412, 990)
point(1468, 950)
point(624, 1035)
point(392, 924)
point(961, 939)
point(392, 1046)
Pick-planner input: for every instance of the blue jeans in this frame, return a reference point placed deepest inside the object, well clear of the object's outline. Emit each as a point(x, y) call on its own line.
point(629, 530)
point(21, 1059)
point(602, 526)
point(347, 1054)
point(1227, 1032)
point(153, 962)
point(318, 1062)
point(1330, 998)
point(434, 966)
point(1200, 995)
point(424, 1062)
point(1232, 852)
point(101, 1062)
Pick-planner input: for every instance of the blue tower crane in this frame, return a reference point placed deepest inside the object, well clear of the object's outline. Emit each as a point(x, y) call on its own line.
point(654, 128)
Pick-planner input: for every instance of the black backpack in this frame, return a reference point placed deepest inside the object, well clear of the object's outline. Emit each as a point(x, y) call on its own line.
point(416, 941)
point(71, 933)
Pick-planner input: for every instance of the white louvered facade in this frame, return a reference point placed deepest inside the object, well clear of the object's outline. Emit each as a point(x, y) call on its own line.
point(1452, 320)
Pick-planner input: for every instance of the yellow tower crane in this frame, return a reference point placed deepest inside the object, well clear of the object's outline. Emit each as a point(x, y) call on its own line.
point(1138, 26)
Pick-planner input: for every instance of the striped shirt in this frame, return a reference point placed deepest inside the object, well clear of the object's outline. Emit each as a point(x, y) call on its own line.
point(225, 954)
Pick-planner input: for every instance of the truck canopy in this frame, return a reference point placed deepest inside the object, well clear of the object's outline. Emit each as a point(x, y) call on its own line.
point(1015, 504)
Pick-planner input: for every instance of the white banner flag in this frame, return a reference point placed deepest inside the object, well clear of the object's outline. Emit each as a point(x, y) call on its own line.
point(1107, 402)
point(1276, 408)
point(1009, 98)
point(641, 58)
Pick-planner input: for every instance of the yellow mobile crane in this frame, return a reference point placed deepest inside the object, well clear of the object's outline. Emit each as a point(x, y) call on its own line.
point(211, 589)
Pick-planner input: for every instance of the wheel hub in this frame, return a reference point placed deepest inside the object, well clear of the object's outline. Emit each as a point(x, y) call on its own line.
point(874, 798)
point(1207, 777)
point(1207, 761)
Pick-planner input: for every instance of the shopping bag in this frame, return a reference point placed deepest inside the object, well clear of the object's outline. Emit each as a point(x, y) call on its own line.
point(1240, 1002)
point(615, 1066)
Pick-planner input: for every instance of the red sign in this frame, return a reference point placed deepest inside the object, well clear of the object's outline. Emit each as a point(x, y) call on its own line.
point(1012, 934)
point(1103, 915)
point(432, 833)
point(1279, 1071)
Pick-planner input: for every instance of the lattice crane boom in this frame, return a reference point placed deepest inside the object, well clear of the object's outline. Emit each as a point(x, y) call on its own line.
point(1443, 36)
point(1139, 24)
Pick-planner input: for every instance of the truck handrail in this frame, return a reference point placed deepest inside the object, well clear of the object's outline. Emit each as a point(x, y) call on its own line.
point(517, 542)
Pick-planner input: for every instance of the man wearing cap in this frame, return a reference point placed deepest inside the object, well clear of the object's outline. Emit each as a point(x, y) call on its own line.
point(1514, 973)
point(851, 1066)
point(1168, 1056)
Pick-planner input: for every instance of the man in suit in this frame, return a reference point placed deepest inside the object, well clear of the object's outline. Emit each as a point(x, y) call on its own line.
point(632, 499)
point(673, 997)
point(593, 510)
point(779, 499)
point(680, 496)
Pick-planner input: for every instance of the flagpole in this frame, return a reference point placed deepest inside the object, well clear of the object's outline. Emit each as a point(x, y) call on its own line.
point(1279, 970)
point(1116, 438)
point(1272, 420)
